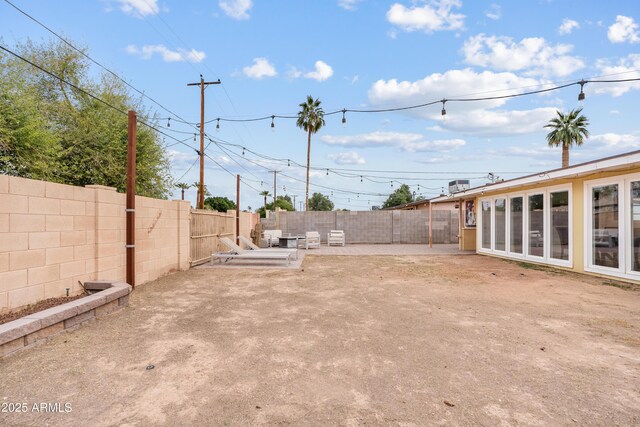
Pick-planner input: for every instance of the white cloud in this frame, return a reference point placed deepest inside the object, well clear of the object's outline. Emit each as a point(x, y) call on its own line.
point(615, 141)
point(532, 55)
point(625, 68)
point(236, 9)
point(352, 79)
point(410, 142)
point(139, 8)
point(494, 12)
point(568, 25)
point(349, 4)
point(180, 55)
point(347, 158)
point(482, 117)
point(436, 15)
point(260, 69)
point(294, 73)
point(624, 30)
point(322, 72)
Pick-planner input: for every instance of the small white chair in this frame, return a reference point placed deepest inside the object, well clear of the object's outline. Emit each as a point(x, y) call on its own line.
point(335, 237)
point(273, 237)
point(311, 239)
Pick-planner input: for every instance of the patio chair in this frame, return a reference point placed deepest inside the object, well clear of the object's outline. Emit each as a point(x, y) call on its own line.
point(272, 237)
point(252, 247)
point(311, 239)
point(335, 237)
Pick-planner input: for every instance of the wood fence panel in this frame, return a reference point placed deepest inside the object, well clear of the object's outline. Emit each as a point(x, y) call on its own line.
point(206, 229)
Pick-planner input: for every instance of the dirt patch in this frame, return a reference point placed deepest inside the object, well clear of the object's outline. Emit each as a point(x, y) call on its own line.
point(39, 306)
point(413, 340)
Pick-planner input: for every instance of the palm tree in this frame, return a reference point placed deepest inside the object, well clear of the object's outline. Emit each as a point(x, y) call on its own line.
point(196, 185)
point(265, 194)
point(310, 119)
point(182, 186)
point(567, 129)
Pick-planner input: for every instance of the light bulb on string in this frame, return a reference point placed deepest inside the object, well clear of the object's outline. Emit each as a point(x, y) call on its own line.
point(444, 111)
point(273, 125)
point(194, 137)
point(344, 119)
point(243, 151)
point(288, 162)
point(327, 172)
point(360, 178)
point(581, 95)
point(168, 122)
point(218, 124)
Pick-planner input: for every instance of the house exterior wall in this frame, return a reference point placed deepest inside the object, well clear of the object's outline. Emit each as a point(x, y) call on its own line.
point(54, 235)
point(580, 217)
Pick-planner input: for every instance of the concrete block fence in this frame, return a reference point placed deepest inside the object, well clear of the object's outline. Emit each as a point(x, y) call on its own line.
point(52, 236)
point(373, 227)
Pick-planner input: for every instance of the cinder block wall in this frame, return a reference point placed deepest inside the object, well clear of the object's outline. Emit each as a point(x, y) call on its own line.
point(381, 227)
point(54, 235)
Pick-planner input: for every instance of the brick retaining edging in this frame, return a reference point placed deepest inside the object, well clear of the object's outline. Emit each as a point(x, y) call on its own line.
point(38, 327)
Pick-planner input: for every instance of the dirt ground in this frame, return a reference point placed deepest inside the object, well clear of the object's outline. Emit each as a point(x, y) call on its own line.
point(377, 340)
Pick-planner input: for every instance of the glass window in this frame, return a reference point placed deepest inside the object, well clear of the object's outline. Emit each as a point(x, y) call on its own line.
point(486, 224)
point(635, 225)
point(560, 225)
point(500, 223)
point(516, 225)
point(536, 225)
point(605, 226)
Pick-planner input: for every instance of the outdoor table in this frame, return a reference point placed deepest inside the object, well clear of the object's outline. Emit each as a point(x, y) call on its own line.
point(288, 242)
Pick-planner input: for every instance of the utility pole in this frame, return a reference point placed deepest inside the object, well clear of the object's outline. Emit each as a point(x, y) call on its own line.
point(203, 85)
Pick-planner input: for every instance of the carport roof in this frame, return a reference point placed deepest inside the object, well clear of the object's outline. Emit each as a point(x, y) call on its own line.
point(621, 161)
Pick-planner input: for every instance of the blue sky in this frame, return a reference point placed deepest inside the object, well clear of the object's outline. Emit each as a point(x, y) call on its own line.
point(363, 55)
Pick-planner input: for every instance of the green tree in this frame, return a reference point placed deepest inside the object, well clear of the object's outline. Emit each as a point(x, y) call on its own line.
point(220, 204)
point(283, 202)
point(399, 197)
point(52, 131)
point(183, 186)
point(310, 119)
point(567, 130)
point(320, 202)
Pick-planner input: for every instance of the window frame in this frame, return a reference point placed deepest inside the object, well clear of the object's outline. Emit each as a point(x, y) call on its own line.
point(625, 240)
point(547, 236)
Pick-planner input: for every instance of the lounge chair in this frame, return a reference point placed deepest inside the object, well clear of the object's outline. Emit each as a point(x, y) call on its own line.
point(236, 252)
point(335, 237)
point(311, 239)
point(252, 247)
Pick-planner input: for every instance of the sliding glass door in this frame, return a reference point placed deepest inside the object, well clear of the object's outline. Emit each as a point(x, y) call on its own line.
point(536, 225)
point(515, 225)
point(604, 226)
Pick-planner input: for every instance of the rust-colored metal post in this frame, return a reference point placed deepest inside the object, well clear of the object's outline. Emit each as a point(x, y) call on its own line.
point(460, 225)
point(131, 199)
point(430, 226)
point(238, 210)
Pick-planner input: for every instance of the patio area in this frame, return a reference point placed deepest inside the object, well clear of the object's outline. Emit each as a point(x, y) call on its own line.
point(404, 340)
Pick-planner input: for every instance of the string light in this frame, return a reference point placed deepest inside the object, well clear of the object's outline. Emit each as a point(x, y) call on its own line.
point(273, 125)
point(344, 119)
point(360, 178)
point(243, 151)
point(327, 172)
point(289, 162)
point(443, 112)
point(168, 122)
point(581, 94)
point(218, 124)
point(194, 137)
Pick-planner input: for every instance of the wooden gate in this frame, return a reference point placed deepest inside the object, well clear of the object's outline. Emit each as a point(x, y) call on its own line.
point(206, 229)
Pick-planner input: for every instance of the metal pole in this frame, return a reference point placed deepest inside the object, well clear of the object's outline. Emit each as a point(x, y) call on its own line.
point(430, 226)
point(131, 199)
point(275, 189)
point(237, 209)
